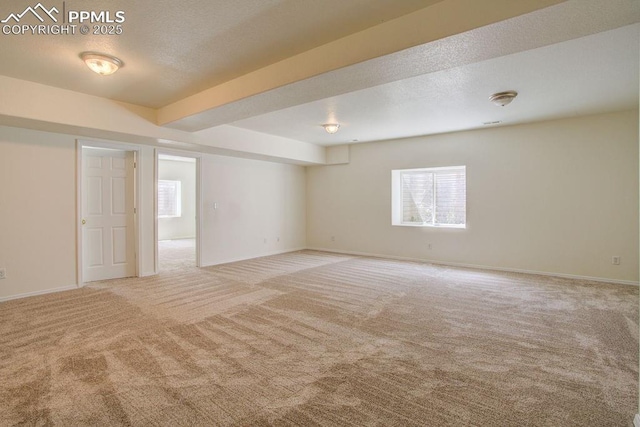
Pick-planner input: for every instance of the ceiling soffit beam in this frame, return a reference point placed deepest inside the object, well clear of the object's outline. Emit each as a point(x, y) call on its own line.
point(63, 111)
point(444, 19)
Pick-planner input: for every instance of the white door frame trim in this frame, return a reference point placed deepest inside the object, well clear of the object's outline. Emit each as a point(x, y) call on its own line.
point(187, 154)
point(136, 202)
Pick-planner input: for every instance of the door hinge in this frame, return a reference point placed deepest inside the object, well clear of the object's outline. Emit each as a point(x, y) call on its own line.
point(135, 165)
point(135, 210)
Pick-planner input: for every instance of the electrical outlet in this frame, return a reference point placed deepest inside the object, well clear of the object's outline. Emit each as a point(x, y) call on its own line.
point(429, 246)
point(615, 260)
point(333, 238)
point(265, 240)
point(3, 273)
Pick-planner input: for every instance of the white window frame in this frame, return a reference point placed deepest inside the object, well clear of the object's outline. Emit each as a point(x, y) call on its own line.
point(397, 215)
point(177, 200)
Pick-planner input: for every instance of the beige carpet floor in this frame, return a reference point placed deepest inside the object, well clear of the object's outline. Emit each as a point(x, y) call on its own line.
point(176, 254)
point(318, 339)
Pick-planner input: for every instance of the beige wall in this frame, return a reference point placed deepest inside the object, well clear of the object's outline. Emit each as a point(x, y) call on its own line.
point(556, 197)
point(257, 200)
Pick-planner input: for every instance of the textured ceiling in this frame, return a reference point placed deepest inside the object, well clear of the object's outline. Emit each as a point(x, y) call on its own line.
point(573, 57)
point(173, 49)
point(592, 74)
point(545, 27)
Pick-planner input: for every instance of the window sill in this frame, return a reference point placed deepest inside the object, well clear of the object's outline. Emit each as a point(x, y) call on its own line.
point(462, 226)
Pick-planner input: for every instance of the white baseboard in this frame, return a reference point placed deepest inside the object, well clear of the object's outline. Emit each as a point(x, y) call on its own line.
point(636, 420)
point(230, 260)
point(367, 254)
point(483, 267)
point(33, 294)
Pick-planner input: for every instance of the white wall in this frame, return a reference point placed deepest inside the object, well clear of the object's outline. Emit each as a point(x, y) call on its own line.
point(146, 209)
point(37, 211)
point(557, 197)
point(256, 199)
point(184, 226)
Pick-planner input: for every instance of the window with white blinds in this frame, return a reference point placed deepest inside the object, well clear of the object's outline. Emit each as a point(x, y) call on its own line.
point(169, 199)
point(429, 197)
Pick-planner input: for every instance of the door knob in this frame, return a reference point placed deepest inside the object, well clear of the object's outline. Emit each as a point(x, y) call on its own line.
point(84, 222)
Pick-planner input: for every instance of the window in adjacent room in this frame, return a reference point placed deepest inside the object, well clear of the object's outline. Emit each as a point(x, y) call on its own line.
point(169, 199)
point(433, 197)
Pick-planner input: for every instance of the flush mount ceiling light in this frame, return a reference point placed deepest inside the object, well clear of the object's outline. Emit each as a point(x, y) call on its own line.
point(100, 63)
point(503, 98)
point(331, 127)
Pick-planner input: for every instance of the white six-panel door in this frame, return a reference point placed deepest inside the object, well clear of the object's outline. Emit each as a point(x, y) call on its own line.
point(108, 237)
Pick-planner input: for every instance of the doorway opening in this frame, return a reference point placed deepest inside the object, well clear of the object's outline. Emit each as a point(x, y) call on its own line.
point(177, 212)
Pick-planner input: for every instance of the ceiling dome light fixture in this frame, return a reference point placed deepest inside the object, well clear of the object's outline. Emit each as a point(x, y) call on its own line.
point(100, 63)
point(331, 127)
point(503, 98)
